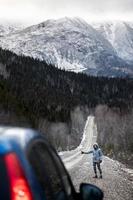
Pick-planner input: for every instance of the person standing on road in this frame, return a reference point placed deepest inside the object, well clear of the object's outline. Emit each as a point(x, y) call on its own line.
point(97, 159)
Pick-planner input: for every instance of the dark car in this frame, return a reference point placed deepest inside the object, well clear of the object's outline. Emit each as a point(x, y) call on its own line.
point(30, 169)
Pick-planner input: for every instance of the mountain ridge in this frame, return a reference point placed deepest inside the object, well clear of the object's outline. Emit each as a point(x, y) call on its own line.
point(71, 44)
point(120, 35)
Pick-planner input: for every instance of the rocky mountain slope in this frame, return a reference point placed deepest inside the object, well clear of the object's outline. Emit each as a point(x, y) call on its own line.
point(120, 35)
point(8, 28)
point(70, 44)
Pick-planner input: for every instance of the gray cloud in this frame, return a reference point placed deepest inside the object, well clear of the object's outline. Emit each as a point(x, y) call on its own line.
point(37, 10)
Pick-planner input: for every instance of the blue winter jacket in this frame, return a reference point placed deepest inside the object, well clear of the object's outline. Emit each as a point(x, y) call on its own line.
point(97, 154)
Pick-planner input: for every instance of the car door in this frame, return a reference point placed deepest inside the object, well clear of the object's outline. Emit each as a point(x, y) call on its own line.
point(50, 172)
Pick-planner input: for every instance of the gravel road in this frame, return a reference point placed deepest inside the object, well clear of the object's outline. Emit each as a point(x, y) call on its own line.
point(117, 182)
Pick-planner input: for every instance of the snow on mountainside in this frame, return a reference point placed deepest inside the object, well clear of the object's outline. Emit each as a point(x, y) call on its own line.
point(7, 28)
point(120, 35)
point(70, 44)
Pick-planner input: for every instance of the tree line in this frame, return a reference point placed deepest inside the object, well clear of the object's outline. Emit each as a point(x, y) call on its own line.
point(37, 89)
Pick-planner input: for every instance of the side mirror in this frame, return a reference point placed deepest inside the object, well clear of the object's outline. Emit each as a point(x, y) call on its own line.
point(90, 192)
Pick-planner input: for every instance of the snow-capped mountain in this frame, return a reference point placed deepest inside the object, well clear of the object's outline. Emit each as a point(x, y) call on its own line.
point(120, 35)
point(70, 44)
point(8, 28)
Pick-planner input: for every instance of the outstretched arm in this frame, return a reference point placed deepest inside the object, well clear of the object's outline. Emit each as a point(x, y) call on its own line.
point(88, 152)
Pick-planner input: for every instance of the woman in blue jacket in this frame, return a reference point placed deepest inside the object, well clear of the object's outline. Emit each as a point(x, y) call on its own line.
point(97, 159)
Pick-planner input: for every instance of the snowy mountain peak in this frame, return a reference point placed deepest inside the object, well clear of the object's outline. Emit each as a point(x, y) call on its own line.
point(8, 28)
point(73, 44)
point(120, 35)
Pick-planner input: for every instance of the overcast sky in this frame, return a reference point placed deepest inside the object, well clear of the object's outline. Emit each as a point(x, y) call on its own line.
point(34, 11)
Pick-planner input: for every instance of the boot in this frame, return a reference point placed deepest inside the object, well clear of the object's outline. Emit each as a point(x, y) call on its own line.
point(101, 176)
point(95, 176)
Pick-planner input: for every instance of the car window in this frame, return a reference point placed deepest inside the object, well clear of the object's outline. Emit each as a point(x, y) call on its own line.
point(63, 173)
point(49, 171)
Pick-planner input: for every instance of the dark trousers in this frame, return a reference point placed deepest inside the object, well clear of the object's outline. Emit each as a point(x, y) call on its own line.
point(95, 166)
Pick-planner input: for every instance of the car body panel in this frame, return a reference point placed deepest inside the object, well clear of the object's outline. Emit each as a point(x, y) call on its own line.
point(21, 141)
point(17, 140)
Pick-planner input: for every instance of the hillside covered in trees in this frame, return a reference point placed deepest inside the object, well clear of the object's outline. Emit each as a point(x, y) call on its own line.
point(35, 90)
